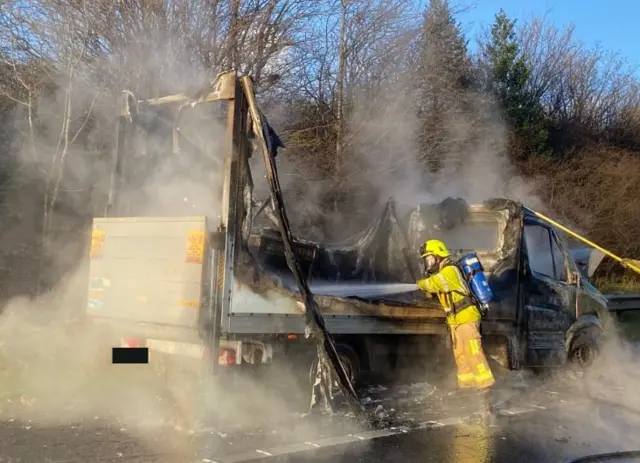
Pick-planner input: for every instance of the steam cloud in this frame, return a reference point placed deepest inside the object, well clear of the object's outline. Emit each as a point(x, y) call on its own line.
point(57, 367)
point(60, 368)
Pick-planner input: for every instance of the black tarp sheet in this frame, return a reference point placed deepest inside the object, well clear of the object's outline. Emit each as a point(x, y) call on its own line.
point(386, 251)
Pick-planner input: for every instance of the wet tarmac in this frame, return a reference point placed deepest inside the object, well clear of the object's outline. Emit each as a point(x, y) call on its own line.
point(560, 432)
point(561, 435)
point(537, 418)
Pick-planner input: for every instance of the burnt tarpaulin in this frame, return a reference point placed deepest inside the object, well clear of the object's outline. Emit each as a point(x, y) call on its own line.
point(426, 220)
point(387, 250)
point(378, 254)
point(274, 140)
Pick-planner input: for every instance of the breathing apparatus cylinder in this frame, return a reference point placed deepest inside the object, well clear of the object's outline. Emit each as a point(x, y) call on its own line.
point(474, 274)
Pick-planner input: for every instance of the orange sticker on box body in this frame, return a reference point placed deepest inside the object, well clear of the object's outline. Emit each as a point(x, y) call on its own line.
point(97, 243)
point(195, 246)
point(190, 303)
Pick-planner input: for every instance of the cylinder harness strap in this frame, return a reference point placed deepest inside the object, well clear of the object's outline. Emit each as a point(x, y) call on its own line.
point(463, 303)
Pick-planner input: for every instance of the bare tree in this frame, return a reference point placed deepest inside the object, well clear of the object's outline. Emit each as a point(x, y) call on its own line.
point(353, 52)
point(342, 57)
point(582, 89)
point(42, 77)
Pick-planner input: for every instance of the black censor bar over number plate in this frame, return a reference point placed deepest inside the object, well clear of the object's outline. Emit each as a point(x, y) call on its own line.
point(130, 355)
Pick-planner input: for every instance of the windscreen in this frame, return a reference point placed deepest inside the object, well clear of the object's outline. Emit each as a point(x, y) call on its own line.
point(471, 236)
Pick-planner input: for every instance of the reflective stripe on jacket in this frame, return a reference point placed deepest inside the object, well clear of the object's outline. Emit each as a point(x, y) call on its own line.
point(451, 288)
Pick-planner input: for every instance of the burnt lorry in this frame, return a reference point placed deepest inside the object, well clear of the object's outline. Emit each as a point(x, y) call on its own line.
point(215, 285)
point(544, 311)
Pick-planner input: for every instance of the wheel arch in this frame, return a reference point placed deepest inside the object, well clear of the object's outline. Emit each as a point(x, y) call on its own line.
point(585, 322)
point(360, 347)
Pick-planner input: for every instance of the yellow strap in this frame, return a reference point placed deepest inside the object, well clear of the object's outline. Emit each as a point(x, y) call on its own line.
point(467, 300)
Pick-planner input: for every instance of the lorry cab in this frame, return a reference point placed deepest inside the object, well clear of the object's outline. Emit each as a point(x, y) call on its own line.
point(563, 312)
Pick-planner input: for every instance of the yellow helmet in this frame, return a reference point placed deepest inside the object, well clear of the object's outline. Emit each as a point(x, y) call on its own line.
point(434, 247)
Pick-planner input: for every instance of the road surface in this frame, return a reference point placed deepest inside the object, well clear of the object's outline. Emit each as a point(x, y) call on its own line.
point(537, 420)
point(561, 435)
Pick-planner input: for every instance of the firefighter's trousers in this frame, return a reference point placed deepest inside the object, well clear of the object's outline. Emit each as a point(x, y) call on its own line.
point(473, 369)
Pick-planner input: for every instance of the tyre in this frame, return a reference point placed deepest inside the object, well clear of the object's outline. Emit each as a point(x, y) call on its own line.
point(504, 351)
point(514, 353)
point(350, 362)
point(585, 347)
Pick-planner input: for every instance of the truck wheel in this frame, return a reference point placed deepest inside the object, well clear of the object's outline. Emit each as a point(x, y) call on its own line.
point(349, 360)
point(585, 347)
point(513, 353)
point(505, 353)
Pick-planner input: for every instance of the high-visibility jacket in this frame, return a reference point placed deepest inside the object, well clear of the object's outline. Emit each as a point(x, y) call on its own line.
point(453, 293)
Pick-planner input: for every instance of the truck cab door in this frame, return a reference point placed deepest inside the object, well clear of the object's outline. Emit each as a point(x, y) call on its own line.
point(549, 296)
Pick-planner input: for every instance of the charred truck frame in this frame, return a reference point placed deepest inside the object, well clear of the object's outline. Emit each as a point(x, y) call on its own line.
point(222, 287)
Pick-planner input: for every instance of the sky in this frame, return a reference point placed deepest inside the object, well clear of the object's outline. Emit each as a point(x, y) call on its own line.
point(613, 24)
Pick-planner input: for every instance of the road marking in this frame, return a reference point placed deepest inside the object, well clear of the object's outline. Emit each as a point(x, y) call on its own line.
point(431, 424)
point(516, 411)
point(450, 421)
point(351, 438)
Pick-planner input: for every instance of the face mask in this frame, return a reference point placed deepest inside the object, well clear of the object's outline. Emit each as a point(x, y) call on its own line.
point(430, 263)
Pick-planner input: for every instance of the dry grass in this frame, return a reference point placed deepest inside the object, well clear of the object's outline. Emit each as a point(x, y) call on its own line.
point(625, 284)
point(596, 190)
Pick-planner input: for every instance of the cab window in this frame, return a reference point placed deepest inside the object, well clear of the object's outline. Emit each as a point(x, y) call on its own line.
point(543, 252)
point(558, 260)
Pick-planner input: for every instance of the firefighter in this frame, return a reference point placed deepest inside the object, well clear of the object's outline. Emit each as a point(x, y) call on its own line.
point(463, 316)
